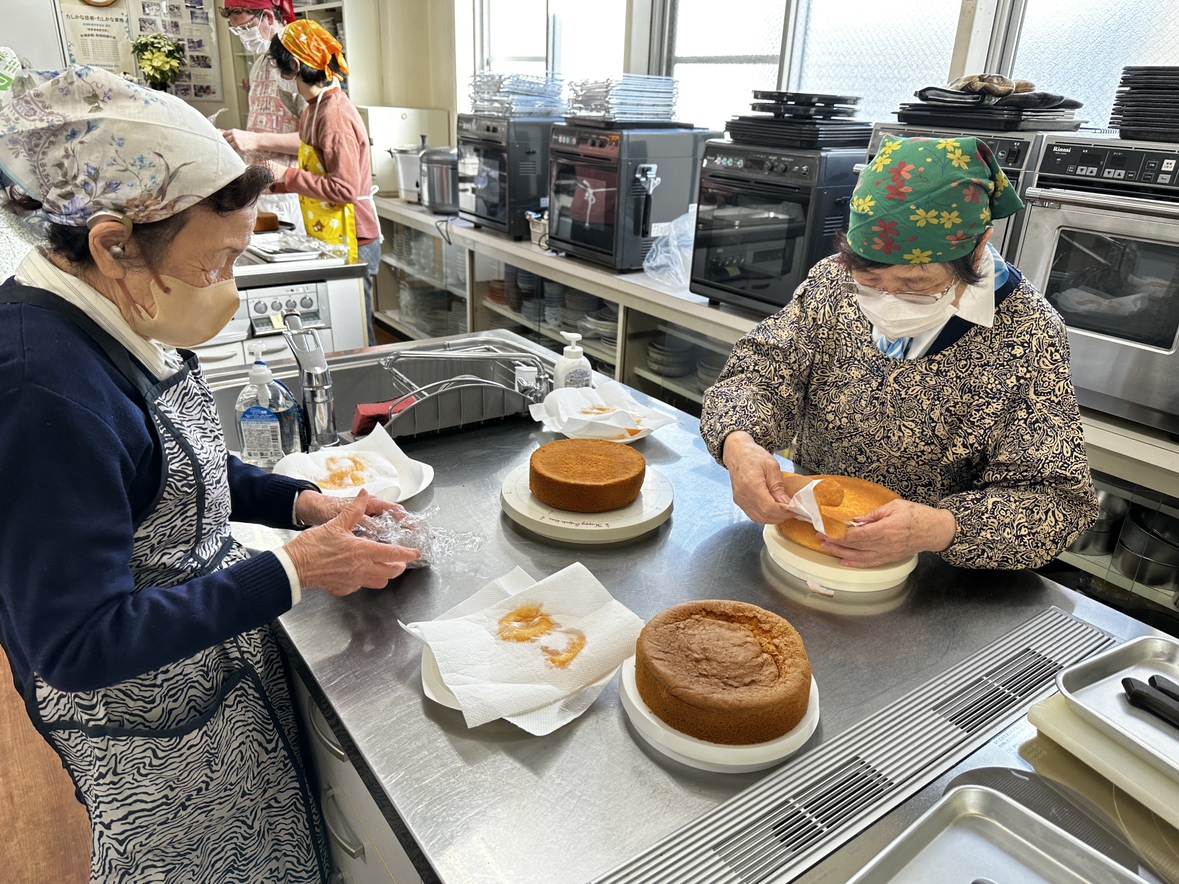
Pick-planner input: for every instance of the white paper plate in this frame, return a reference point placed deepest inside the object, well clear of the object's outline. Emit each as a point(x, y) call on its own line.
point(625, 439)
point(703, 755)
point(413, 476)
point(649, 511)
point(814, 567)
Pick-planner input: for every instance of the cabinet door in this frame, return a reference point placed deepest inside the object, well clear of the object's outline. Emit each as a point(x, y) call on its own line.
point(363, 845)
point(218, 355)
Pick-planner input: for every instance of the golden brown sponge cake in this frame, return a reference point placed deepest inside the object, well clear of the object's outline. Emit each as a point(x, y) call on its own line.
point(859, 498)
point(586, 475)
point(722, 671)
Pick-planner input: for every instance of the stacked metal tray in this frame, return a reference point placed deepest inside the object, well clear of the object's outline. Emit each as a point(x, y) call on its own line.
point(975, 834)
point(1093, 691)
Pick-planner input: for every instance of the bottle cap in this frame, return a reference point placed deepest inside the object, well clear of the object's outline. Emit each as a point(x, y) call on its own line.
point(572, 351)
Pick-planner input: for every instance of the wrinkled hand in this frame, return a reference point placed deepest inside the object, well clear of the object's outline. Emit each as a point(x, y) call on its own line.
point(894, 532)
point(241, 140)
point(331, 558)
point(756, 476)
point(315, 508)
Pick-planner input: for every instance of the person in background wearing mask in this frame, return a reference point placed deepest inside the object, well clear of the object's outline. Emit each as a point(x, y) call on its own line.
point(918, 359)
point(271, 132)
point(140, 633)
point(334, 174)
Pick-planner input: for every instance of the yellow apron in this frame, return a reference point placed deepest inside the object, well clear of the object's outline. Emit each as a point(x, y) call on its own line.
point(332, 223)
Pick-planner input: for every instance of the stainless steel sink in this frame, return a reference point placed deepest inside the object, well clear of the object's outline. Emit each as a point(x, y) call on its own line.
point(357, 375)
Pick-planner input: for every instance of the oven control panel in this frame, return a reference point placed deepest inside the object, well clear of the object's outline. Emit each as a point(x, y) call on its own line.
point(1112, 165)
point(778, 166)
point(266, 306)
point(589, 142)
point(1014, 152)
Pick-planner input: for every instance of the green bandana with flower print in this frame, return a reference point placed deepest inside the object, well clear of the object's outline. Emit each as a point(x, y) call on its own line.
point(927, 200)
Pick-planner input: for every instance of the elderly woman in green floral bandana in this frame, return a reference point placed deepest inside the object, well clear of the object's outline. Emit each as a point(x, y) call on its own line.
point(916, 358)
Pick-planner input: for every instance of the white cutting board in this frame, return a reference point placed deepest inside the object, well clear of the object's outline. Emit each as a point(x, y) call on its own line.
point(1109, 758)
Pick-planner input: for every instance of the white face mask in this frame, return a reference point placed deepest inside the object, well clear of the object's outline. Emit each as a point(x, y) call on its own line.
point(895, 318)
point(252, 40)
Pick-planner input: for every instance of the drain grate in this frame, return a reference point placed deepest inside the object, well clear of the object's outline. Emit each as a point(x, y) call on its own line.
point(781, 826)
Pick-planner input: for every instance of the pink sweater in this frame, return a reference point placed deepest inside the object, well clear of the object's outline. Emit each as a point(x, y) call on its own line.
point(342, 144)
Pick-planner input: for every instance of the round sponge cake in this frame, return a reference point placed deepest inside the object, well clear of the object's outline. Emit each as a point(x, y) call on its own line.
point(722, 671)
point(860, 497)
point(586, 475)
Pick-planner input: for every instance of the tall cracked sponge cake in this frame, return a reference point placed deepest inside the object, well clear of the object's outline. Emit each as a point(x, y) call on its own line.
point(722, 671)
point(586, 475)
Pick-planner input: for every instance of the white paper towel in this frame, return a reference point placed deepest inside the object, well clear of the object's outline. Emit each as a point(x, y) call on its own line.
point(493, 678)
point(608, 412)
point(804, 505)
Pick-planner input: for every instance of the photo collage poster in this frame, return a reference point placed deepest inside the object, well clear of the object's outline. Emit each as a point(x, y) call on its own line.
point(192, 23)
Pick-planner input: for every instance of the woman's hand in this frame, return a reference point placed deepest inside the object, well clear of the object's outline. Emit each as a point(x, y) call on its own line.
point(756, 476)
point(894, 532)
point(278, 171)
point(241, 140)
point(331, 558)
point(315, 508)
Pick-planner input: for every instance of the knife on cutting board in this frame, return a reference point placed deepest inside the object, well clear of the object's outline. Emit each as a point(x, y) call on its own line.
point(1152, 700)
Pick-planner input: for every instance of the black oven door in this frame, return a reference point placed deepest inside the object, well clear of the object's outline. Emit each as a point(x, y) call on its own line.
point(483, 183)
point(750, 242)
point(583, 202)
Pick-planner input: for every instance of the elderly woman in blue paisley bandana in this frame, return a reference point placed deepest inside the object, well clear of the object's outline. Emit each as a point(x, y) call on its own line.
point(139, 631)
point(918, 359)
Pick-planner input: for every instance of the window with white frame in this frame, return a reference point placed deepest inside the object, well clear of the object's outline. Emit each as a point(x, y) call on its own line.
point(720, 56)
point(579, 40)
point(882, 55)
point(1078, 50)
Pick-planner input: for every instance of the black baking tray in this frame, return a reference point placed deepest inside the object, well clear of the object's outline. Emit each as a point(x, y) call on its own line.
point(802, 110)
point(803, 97)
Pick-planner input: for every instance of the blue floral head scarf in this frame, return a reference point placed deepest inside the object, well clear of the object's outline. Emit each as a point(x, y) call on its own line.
point(927, 200)
point(84, 140)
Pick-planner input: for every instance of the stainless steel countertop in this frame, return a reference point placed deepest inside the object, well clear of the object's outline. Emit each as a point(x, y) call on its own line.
point(496, 804)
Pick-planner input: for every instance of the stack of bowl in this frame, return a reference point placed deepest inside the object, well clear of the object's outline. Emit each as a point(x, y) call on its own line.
point(608, 314)
point(554, 300)
point(526, 283)
point(670, 357)
point(708, 369)
point(1100, 539)
point(1148, 548)
point(533, 310)
point(515, 296)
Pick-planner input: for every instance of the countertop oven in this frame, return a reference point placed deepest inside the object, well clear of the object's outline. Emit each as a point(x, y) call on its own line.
point(765, 216)
point(612, 191)
point(503, 170)
point(1101, 241)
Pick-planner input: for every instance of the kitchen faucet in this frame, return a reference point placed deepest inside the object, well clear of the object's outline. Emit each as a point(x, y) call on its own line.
point(316, 382)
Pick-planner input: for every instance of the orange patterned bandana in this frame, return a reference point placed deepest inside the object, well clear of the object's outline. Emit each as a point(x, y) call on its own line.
point(313, 46)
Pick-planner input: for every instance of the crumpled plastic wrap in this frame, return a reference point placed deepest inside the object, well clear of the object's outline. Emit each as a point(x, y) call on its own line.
point(414, 531)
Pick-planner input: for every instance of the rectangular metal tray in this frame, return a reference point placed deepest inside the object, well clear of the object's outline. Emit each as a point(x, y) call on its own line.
point(977, 833)
point(1093, 691)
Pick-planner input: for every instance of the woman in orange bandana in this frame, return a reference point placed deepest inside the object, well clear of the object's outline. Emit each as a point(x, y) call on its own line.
point(333, 177)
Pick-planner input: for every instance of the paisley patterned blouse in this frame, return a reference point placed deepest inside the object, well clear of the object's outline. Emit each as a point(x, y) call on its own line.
point(987, 429)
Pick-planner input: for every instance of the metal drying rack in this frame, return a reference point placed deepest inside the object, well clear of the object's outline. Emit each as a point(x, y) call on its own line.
point(460, 383)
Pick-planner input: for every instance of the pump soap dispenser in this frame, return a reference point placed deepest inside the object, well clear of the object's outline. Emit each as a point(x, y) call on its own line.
point(267, 416)
point(572, 369)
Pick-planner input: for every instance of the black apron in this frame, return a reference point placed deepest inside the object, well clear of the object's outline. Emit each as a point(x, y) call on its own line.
point(193, 772)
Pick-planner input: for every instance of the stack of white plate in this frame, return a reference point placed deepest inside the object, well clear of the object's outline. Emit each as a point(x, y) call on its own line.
point(554, 300)
point(670, 357)
point(580, 301)
point(708, 370)
point(533, 309)
point(456, 318)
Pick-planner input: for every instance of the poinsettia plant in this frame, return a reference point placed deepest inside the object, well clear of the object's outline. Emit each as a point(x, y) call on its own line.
point(159, 58)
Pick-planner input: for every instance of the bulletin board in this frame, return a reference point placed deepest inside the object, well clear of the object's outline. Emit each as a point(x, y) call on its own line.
point(100, 37)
